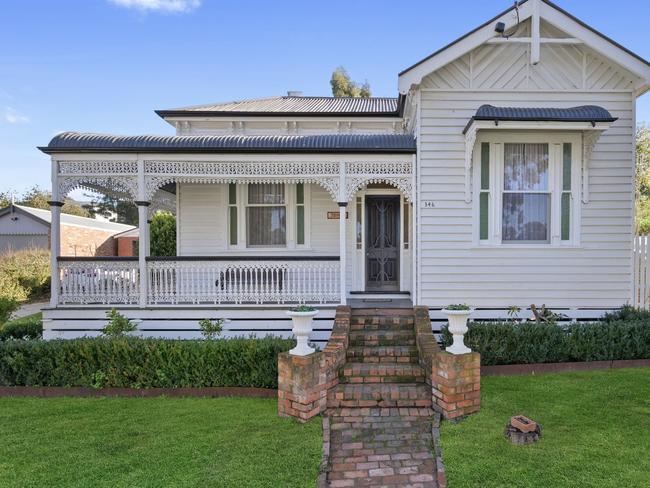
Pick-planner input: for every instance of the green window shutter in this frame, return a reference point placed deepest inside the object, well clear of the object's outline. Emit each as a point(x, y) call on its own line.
point(565, 203)
point(485, 166)
point(300, 213)
point(566, 167)
point(300, 193)
point(484, 195)
point(233, 225)
point(232, 194)
point(566, 216)
point(484, 209)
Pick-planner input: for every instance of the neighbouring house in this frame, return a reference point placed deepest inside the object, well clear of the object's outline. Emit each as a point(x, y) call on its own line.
point(24, 227)
point(127, 242)
point(502, 174)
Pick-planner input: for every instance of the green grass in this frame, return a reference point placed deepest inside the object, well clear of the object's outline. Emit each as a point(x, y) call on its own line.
point(596, 432)
point(154, 442)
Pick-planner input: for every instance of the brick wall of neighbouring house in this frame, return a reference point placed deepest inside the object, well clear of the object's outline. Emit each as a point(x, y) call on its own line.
point(83, 241)
point(126, 246)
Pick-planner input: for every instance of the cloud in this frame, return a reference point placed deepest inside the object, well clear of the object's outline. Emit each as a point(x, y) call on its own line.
point(14, 117)
point(176, 6)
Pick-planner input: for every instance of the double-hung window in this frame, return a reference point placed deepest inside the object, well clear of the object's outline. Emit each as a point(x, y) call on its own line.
point(266, 215)
point(526, 189)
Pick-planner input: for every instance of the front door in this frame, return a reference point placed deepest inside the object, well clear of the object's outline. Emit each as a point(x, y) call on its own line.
point(382, 243)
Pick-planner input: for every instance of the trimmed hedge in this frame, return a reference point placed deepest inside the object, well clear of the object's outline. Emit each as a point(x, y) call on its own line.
point(142, 363)
point(30, 327)
point(528, 343)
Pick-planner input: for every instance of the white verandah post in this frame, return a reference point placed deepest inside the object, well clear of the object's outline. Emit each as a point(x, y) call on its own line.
point(343, 203)
point(55, 235)
point(143, 237)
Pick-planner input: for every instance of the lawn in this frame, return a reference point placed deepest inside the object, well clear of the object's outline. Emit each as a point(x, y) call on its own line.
point(596, 432)
point(154, 442)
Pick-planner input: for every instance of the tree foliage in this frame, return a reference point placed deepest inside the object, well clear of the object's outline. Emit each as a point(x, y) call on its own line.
point(343, 86)
point(36, 197)
point(163, 234)
point(643, 179)
point(109, 207)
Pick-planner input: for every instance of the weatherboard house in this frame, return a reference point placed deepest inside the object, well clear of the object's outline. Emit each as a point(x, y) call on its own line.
point(501, 175)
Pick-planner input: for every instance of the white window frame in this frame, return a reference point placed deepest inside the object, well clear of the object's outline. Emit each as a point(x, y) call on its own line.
point(290, 203)
point(555, 141)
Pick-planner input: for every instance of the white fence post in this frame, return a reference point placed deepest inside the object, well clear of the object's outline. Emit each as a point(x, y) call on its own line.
point(641, 275)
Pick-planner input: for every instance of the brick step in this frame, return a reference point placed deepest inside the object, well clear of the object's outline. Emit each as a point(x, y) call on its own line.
point(378, 415)
point(382, 373)
point(382, 338)
point(380, 395)
point(383, 354)
point(381, 323)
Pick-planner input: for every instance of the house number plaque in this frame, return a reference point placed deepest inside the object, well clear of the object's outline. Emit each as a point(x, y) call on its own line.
point(336, 215)
point(428, 204)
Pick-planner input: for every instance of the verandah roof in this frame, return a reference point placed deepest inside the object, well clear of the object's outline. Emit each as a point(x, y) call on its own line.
point(322, 143)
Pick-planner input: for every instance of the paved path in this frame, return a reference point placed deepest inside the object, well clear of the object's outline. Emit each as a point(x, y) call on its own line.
point(29, 309)
point(380, 413)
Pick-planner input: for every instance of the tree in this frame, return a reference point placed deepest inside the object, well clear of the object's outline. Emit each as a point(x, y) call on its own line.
point(343, 86)
point(36, 197)
point(123, 212)
point(643, 179)
point(163, 234)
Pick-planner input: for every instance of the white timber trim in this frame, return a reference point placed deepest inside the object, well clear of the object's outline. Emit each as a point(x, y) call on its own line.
point(591, 134)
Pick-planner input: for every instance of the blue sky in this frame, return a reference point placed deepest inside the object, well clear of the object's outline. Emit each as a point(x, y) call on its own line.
point(105, 65)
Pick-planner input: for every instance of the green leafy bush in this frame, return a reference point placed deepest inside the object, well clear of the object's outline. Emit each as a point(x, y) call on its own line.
point(211, 329)
point(142, 363)
point(627, 312)
point(30, 327)
point(25, 275)
point(163, 234)
point(7, 307)
point(527, 343)
point(117, 325)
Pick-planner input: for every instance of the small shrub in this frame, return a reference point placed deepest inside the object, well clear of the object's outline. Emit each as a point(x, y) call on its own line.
point(163, 234)
point(8, 306)
point(627, 312)
point(30, 327)
point(211, 329)
point(545, 315)
point(142, 363)
point(118, 325)
point(303, 308)
point(458, 306)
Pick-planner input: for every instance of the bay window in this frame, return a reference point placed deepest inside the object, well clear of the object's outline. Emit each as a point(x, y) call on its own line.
point(526, 189)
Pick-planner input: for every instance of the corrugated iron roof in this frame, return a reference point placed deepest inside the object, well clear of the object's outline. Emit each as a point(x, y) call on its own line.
point(584, 113)
point(291, 105)
point(348, 143)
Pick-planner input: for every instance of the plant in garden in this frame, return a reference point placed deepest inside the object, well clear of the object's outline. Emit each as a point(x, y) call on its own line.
point(545, 315)
point(98, 380)
point(303, 308)
point(118, 325)
point(211, 329)
point(25, 274)
point(30, 327)
point(458, 307)
point(7, 307)
point(163, 234)
point(513, 312)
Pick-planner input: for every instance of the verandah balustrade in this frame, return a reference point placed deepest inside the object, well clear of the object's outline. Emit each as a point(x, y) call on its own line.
point(201, 280)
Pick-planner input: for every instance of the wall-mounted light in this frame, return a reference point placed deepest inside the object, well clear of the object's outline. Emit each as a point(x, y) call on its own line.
point(500, 28)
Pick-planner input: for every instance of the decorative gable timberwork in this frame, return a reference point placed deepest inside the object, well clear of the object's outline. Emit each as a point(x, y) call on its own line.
point(505, 65)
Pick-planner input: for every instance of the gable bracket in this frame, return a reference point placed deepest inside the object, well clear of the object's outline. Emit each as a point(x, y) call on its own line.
point(589, 140)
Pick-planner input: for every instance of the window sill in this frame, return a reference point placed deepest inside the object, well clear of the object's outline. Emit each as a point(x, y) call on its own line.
point(526, 246)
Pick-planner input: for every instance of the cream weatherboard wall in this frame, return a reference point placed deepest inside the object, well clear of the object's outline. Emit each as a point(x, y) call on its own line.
point(453, 267)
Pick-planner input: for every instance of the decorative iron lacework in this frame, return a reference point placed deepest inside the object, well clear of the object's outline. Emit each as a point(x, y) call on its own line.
point(159, 173)
point(99, 282)
point(396, 173)
point(121, 187)
point(99, 167)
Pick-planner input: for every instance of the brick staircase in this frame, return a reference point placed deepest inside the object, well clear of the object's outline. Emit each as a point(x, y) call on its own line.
point(380, 412)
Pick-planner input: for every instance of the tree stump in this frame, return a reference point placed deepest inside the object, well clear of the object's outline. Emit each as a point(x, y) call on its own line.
point(522, 431)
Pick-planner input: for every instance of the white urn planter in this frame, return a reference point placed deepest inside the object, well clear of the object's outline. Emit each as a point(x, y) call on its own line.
point(458, 328)
point(302, 327)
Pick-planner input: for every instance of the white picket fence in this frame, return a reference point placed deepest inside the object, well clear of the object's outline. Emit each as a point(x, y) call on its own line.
point(641, 283)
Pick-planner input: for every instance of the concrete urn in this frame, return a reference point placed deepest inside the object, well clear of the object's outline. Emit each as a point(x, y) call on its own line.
point(302, 326)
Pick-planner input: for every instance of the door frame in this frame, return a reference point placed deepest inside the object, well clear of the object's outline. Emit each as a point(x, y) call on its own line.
point(358, 282)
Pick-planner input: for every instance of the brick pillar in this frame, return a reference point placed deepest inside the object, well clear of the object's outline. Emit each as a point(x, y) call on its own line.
point(455, 379)
point(456, 384)
point(303, 381)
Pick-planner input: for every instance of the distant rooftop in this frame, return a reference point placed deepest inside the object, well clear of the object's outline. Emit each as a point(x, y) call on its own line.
point(294, 105)
point(46, 217)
